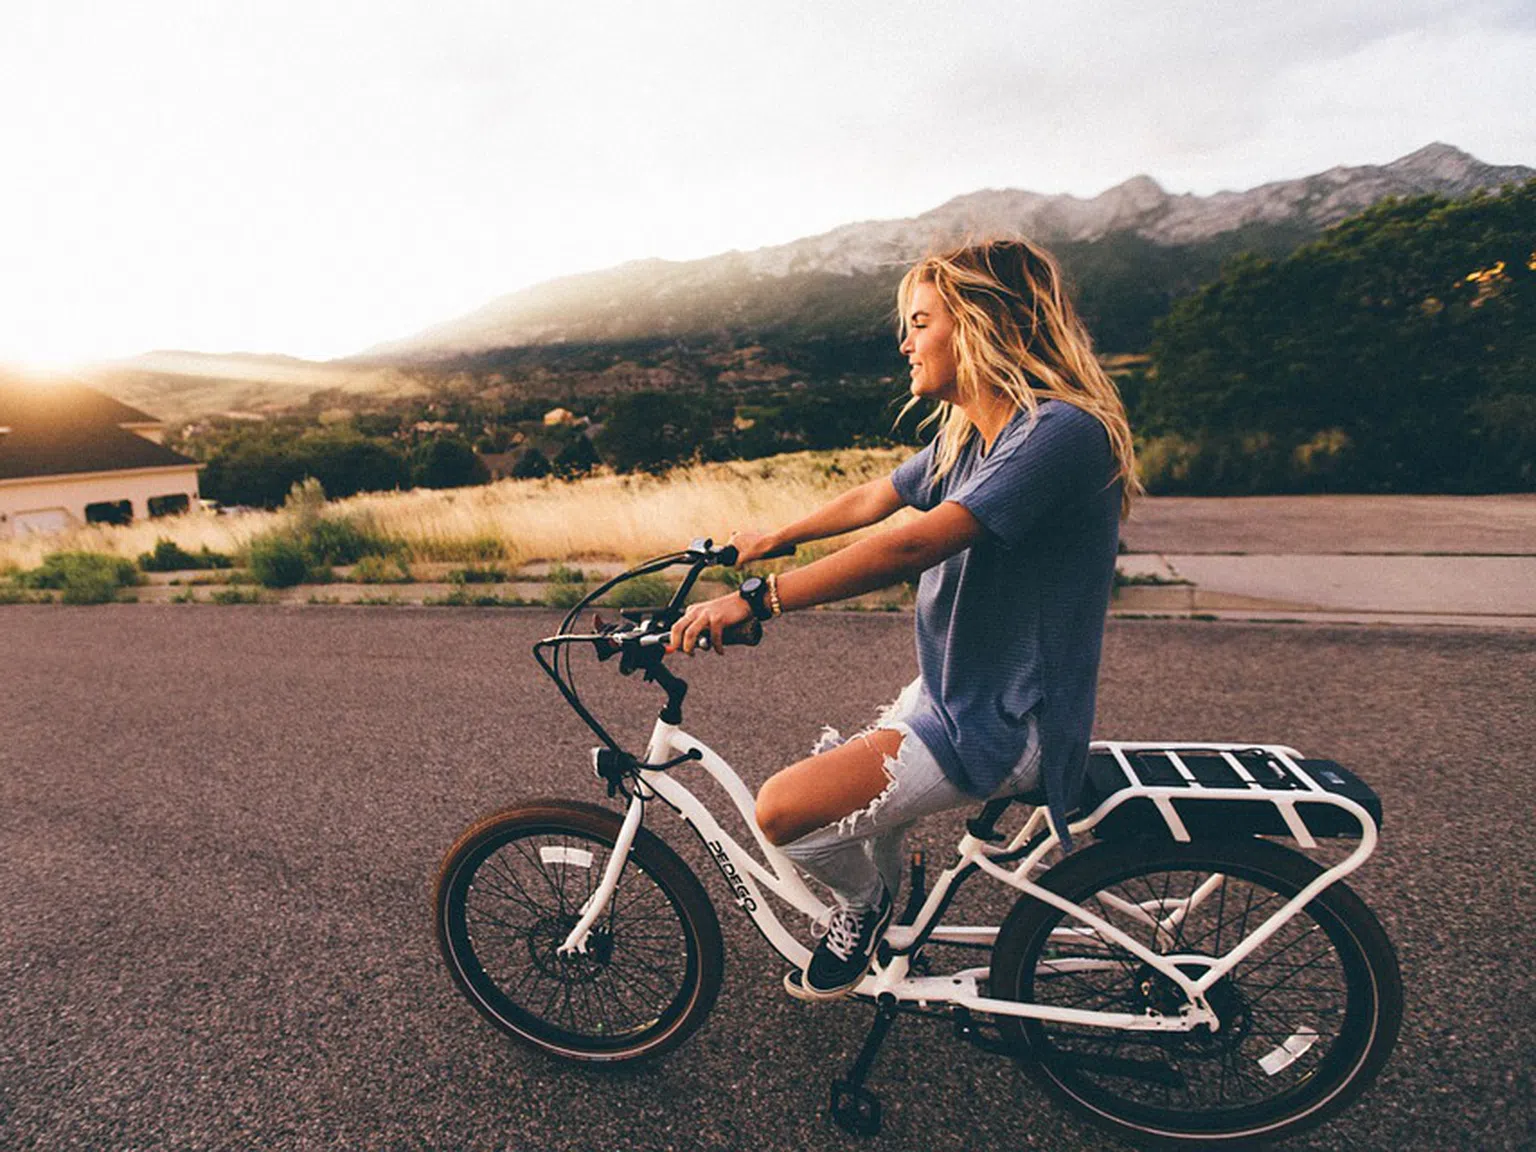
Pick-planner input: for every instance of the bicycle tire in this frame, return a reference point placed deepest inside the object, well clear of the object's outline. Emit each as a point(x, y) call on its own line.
point(1330, 976)
point(509, 891)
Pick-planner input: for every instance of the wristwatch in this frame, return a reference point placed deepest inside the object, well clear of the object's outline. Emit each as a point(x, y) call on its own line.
point(754, 590)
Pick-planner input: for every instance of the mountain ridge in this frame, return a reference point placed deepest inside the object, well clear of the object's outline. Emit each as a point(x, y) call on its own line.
point(602, 305)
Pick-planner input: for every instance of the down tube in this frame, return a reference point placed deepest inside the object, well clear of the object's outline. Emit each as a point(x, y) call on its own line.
point(742, 873)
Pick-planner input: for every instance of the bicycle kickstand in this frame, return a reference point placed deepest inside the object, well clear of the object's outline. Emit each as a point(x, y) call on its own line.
point(855, 1109)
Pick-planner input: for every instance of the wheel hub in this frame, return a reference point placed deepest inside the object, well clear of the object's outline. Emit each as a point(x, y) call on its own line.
point(544, 941)
point(1157, 993)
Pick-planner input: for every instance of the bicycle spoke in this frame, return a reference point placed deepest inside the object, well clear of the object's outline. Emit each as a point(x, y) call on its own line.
point(522, 902)
point(1289, 984)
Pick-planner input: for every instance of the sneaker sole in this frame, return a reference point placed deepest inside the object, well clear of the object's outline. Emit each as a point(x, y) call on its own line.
point(795, 986)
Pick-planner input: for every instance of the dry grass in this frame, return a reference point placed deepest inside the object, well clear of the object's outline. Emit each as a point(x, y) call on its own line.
point(620, 517)
point(227, 534)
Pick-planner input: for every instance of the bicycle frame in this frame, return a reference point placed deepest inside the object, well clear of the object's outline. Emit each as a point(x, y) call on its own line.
point(748, 879)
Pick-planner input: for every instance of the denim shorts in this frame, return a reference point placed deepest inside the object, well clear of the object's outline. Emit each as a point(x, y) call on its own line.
point(848, 853)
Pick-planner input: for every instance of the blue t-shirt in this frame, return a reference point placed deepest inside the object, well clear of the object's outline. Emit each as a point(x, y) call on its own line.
point(1014, 624)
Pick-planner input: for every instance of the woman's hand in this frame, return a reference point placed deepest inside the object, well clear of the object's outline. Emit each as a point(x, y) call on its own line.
point(711, 617)
point(751, 546)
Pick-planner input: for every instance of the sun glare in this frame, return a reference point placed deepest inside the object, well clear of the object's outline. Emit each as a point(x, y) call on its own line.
point(41, 370)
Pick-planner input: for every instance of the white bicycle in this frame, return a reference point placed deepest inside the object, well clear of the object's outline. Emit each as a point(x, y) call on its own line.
point(1183, 978)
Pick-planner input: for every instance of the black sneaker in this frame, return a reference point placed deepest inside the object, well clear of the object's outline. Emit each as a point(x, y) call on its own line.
point(842, 957)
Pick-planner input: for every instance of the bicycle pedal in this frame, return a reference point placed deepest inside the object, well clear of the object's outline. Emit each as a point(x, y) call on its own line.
point(855, 1110)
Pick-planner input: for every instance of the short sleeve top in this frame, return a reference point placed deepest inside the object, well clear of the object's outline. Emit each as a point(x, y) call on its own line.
point(1014, 624)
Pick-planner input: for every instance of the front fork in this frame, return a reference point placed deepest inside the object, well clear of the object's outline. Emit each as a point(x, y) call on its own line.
point(597, 903)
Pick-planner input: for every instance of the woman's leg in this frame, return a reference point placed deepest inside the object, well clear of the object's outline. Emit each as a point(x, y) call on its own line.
point(841, 816)
point(826, 814)
point(807, 808)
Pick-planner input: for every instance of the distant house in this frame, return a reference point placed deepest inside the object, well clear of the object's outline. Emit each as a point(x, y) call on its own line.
point(71, 455)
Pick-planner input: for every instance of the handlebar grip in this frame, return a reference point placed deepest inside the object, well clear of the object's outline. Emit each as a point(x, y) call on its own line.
point(747, 634)
point(728, 555)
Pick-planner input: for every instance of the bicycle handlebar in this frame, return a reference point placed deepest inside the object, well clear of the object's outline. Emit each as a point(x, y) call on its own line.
point(640, 639)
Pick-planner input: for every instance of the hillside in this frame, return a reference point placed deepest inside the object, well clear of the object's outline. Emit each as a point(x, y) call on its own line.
point(178, 386)
point(814, 311)
point(1130, 251)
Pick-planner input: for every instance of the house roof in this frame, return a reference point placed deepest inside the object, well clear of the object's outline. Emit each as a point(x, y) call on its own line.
point(63, 398)
point(65, 427)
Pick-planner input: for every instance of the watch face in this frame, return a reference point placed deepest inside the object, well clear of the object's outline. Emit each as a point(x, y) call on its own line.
point(754, 590)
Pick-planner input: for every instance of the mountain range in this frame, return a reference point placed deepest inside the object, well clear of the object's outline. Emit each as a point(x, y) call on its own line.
point(1129, 222)
point(819, 308)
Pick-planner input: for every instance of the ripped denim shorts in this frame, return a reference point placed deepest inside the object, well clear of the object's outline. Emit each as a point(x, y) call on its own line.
point(853, 854)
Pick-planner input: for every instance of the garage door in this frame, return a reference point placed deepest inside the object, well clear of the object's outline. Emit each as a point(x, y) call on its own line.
point(41, 521)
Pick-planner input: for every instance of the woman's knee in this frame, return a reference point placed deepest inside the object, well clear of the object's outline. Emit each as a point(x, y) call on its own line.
point(776, 815)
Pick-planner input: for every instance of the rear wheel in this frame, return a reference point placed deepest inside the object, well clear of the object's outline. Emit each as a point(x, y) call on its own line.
point(1306, 1021)
point(509, 893)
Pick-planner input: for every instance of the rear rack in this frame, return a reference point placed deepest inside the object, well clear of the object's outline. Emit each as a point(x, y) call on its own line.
point(1202, 790)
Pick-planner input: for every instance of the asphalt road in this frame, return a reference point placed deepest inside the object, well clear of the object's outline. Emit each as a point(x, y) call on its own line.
point(219, 829)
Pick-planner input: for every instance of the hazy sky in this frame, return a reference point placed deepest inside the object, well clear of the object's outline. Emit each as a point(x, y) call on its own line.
point(314, 177)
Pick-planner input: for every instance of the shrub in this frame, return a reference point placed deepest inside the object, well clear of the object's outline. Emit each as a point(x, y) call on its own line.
point(310, 542)
point(447, 462)
point(331, 539)
point(169, 556)
point(560, 574)
point(564, 595)
point(474, 574)
point(642, 592)
point(344, 540)
point(531, 464)
point(83, 577)
point(730, 577)
point(382, 570)
point(278, 561)
point(235, 596)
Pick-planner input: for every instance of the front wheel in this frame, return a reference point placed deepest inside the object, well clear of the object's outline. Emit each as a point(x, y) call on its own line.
point(1306, 1021)
point(510, 891)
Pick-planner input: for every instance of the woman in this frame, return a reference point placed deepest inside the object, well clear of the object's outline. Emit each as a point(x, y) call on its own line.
point(1020, 495)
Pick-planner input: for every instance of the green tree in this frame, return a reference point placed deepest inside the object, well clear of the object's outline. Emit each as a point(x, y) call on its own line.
point(1397, 353)
point(447, 462)
point(652, 431)
point(577, 458)
point(530, 464)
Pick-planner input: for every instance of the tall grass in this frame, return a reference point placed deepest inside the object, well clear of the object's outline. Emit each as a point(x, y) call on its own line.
point(516, 521)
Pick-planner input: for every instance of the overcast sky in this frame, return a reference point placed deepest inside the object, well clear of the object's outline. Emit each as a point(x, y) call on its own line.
point(314, 177)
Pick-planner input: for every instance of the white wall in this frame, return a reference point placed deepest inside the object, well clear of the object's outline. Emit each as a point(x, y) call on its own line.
point(37, 500)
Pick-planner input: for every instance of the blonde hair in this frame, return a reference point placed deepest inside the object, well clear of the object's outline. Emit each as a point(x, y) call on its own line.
point(1016, 331)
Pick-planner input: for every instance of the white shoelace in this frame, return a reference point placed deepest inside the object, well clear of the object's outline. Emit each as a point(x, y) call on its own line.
point(841, 930)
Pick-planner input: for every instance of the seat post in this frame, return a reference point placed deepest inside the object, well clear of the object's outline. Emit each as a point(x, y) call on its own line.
point(984, 826)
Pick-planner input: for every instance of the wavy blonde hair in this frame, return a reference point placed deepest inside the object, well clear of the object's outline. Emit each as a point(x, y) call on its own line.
point(1016, 331)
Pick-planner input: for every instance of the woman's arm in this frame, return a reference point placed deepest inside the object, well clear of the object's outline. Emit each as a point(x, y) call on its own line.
point(876, 562)
point(883, 559)
point(859, 507)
